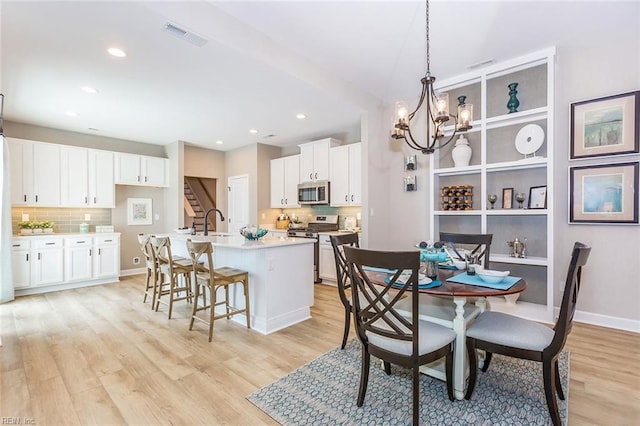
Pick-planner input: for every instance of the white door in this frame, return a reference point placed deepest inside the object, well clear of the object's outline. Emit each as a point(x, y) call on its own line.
point(238, 200)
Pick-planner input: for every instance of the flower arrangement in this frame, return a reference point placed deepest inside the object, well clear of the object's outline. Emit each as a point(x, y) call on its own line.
point(35, 226)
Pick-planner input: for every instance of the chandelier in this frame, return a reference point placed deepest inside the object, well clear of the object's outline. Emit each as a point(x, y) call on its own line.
point(437, 111)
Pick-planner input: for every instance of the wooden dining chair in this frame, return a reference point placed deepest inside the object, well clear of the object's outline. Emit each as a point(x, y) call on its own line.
point(151, 273)
point(174, 276)
point(210, 278)
point(504, 334)
point(342, 274)
point(383, 331)
point(479, 245)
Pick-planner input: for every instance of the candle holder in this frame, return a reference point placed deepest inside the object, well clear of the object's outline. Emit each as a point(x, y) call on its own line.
point(492, 199)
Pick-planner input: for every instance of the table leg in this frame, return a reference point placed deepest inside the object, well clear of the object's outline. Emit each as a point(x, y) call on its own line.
point(460, 354)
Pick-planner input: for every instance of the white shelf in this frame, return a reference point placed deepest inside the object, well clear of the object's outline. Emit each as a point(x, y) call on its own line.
point(516, 212)
point(525, 163)
point(457, 212)
point(532, 260)
point(517, 118)
point(457, 171)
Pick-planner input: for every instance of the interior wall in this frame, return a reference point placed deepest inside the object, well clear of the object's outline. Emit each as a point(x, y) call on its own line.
point(610, 286)
point(243, 161)
point(266, 215)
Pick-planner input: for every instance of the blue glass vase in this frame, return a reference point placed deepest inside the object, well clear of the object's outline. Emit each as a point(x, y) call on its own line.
point(513, 103)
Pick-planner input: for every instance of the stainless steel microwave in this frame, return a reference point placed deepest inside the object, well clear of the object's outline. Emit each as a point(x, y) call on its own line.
point(314, 192)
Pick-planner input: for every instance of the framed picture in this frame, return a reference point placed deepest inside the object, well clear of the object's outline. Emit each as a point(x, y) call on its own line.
point(605, 126)
point(537, 197)
point(507, 198)
point(139, 211)
point(605, 193)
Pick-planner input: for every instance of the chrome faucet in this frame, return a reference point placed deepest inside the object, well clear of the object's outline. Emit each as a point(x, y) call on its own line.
point(206, 219)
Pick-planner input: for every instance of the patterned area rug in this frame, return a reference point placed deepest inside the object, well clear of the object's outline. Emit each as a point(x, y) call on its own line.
point(325, 391)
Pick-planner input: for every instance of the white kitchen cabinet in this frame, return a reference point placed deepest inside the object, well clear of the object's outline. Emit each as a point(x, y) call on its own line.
point(285, 173)
point(327, 266)
point(47, 261)
point(35, 173)
point(314, 160)
point(106, 256)
point(20, 260)
point(87, 178)
point(78, 258)
point(346, 175)
point(132, 169)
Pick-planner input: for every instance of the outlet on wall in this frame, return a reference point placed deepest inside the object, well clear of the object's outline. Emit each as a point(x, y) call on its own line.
point(136, 260)
point(87, 216)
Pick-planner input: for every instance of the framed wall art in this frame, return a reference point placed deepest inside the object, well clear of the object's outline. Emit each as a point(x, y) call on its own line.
point(507, 198)
point(605, 126)
point(537, 197)
point(604, 194)
point(139, 211)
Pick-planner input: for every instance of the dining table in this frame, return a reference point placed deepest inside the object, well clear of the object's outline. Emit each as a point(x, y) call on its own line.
point(453, 305)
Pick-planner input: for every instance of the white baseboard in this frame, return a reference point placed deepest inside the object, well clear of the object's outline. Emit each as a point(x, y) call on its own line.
point(127, 272)
point(605, 321)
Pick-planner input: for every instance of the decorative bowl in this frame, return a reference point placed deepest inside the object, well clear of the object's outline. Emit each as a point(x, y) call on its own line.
point(490, 276)
point(253, 232)
point(459, 264)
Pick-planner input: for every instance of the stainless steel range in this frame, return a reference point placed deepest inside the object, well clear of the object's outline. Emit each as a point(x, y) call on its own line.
point(320, 223)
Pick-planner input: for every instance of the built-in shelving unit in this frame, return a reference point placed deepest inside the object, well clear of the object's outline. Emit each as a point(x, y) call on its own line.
point(496, 164)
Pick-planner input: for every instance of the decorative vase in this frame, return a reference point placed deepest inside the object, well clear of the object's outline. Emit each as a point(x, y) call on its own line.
point(462, 152)
point(26, 231)
point(513, 103)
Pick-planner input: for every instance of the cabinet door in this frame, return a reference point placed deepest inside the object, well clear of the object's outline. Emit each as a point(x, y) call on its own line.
point(127, 169)
point(277, 183)
point(74, 188)
point(327, 263)
point(46, 266)
point(21, 171)
point(106, 257)
point(291, 180)
point(355, 173)
point(306, 163)
point(154, 171)
point(79, 263)
point(321, 161)
point(339, 176)
point(21, 268)
point(46, 174)
point(101, 179)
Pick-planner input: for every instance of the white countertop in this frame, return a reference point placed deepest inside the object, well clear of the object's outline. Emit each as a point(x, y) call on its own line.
point(66, 234)
point(239, 242)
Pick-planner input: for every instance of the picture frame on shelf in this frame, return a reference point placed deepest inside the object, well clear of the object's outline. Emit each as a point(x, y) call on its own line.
point(604, 194)
point(537, 197)
point(507, 198)
point(605, 126)
point(139, 211)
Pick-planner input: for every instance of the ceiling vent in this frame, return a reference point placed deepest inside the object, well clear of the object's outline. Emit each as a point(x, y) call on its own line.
point(269, 136)
point(189, 36)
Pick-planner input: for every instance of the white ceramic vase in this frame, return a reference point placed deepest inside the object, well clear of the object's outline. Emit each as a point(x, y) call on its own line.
point(461, 153)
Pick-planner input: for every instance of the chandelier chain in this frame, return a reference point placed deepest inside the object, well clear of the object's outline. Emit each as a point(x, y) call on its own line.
point(427, 36)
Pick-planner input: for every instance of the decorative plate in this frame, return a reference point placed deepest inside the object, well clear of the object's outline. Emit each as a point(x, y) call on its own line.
point(529, 139)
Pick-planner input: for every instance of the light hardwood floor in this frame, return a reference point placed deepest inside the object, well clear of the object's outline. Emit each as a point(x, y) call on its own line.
point(98, 355)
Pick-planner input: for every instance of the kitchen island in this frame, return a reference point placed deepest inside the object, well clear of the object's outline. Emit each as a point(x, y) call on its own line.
point(280, 276)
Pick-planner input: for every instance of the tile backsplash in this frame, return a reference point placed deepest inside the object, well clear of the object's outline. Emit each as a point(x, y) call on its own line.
point(65, 219)
point(307, 213)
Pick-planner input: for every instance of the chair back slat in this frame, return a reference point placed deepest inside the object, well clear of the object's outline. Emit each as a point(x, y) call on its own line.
point(480, 243)
point(201, 254)
point(374, 303)
point(342, 271)
point(579, 257)
point(162, 251)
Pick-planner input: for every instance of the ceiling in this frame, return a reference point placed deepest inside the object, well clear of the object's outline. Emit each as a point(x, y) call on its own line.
point(263, 62)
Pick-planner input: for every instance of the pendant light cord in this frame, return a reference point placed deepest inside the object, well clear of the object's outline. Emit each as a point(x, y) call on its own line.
point(427, 36)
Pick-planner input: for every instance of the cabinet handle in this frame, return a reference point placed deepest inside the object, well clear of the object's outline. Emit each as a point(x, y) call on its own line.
point(282, 201)
point(316, 175)
point(38, 255)
point(25, 198)
point(27, 257)
point(49, 244)
point(16, 245)
point(94, 200)
point(351, 197)
point(86, 200)
point(99, 252)
point(81, 242)
point(89, 252)
point(107, 241)
point(310, 175)
point(346, 198)
point(36, 198)
point(138, 178)
point(145, 178)
point(286, 201)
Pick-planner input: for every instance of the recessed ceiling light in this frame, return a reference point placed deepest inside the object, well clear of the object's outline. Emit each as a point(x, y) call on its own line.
point(253, 131)
point(89, 89)
point(93, 129)
point(71, 114)
point(118, 53)
point(219, 142)
point(301, 116)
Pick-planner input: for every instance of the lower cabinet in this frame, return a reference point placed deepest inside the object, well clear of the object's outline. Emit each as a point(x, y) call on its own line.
point(327, 267)
point(54, 262)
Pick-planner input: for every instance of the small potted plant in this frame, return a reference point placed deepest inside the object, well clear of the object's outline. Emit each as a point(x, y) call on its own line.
point(36, 227)
point(47, 226)
point(25, 228)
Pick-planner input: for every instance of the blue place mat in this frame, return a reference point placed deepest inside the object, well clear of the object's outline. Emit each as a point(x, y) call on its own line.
point(383, 270)
point(463, 278)
point(400, 284)
point(450, 267)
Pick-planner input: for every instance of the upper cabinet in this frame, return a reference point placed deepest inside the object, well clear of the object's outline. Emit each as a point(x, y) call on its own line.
point(285, 173)
point(87, 177)
point(132, 169)
point(35, 173)
point(314, 160)
point(346, 175)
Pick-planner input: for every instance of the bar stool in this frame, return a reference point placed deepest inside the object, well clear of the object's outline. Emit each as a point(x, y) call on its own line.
point(151, 273)
point(170, 270)
point(224, 277)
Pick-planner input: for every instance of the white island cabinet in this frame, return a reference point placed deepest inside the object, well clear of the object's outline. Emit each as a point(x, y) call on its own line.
point(280, 276)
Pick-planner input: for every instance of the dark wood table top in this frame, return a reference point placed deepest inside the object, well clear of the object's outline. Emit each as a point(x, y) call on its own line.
point(460, 290)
